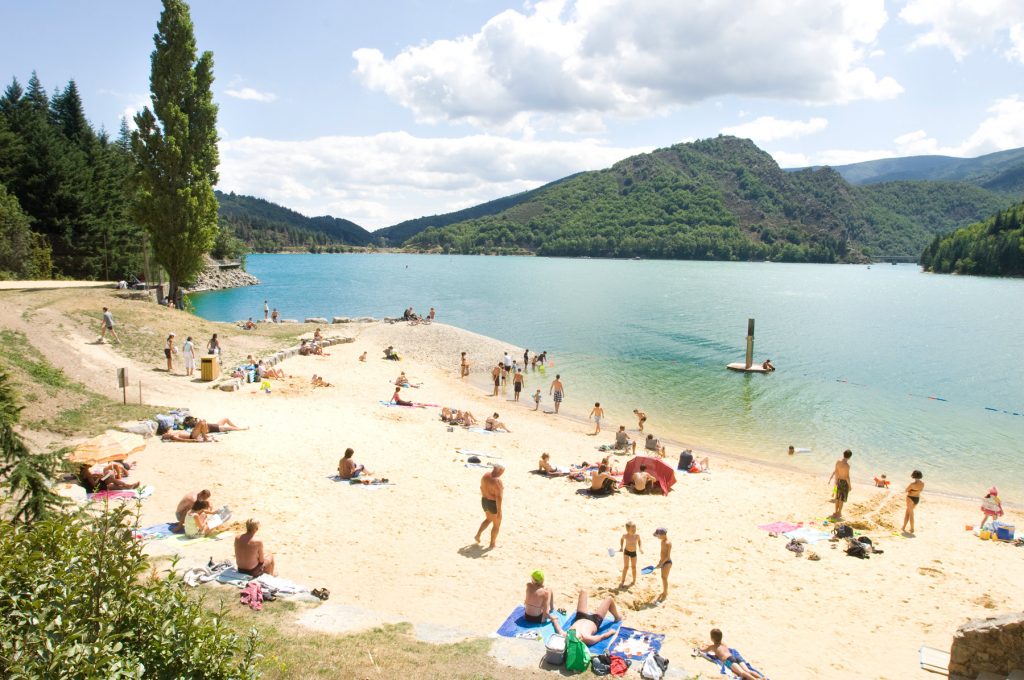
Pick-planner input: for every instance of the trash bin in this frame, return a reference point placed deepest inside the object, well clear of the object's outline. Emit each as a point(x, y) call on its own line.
point(209, 368)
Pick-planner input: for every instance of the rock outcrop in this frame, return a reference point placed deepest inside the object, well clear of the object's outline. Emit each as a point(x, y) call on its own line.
point(215, 277)
point(995, 645)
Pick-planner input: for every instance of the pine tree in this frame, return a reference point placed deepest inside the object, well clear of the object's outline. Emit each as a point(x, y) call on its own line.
point(175, 148)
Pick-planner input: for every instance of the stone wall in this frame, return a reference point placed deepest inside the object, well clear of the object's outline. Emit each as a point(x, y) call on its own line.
point(995, 645)
point(230, 384)
point(215, 278)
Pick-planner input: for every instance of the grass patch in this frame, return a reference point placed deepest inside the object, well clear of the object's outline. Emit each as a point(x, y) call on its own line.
point(97, 414)
point(17, 352)
point(291, 651)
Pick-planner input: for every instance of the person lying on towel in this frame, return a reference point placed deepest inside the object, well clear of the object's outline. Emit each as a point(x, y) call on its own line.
point(587, 623)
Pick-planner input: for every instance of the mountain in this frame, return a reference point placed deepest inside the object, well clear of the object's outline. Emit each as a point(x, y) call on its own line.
point(399, 233)
point(1001, 171)
point(267, 227)
point(993, 247)
point(721, 198)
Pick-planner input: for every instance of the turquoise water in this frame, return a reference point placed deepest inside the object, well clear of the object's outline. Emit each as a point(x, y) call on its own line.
point(899, 366)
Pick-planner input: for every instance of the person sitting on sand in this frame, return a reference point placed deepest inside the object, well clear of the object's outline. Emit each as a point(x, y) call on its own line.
point(642, 480)
point(94, 482)
point(318, 381)
point(539, 601)
point(492, 424)
point(264, 371)
point(318, 337)
point(222, 425)
point(545, 466)
point(613, 468)
point(601, 482)
point(362, 357)
point(720, 651)
point(882, 482)
point(187, 501)
point(389, 353)
point(249, 325)
point(250, 556)
point(304, 348)
point(195, 523)
point(587, 623)
point(396, 399)
point(198, 435)
point(768, 366)
point(403, 381)
point(348, 469)
point(622, 440)
point(654, 444)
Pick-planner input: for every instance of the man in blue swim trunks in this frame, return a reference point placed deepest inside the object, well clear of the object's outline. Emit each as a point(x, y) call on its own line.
point(588, 623)
point(720, 651)
point(558, 390)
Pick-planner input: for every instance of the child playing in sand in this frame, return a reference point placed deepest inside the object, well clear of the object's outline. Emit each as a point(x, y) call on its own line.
point(720, 651)
point(882, 482)
point(536, 395)
point(362, 357)
point(318, 381)
point(629, 545)
point(991, 506)
point(664, 562)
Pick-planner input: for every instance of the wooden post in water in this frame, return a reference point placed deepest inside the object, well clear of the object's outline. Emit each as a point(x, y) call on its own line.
point(750, 342)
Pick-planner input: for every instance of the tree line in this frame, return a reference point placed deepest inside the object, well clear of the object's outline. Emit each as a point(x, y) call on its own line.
point(992, 247)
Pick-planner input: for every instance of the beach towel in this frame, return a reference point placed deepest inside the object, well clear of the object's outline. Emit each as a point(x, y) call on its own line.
point(516, 626)
point(665, 475)
point(280, 587)
point(635, 645)
point(233, 577)
point(609, 623)
point(808, 535)
point(155, 532)
point(780, 527)
point(721, 666)
point(933, 660)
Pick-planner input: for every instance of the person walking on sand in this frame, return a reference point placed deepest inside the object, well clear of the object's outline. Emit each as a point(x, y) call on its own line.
point(536, 400)
point(526, 359)
point(517, 383)
point(188, 351)
point(596, 413)
point(169, 351)
point(108, 326)
point(496, 375)
point(913, 498)
point(841, 474)
point(492, 493)
point(641, 418)
point(629, 546)
point(558, 390)
point(266, 311)
point(664, 562)
point(463, 366)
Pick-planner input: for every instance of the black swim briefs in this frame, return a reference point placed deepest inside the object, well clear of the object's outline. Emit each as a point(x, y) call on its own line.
point(629, 553)
point(594, 618)
point(489, 505)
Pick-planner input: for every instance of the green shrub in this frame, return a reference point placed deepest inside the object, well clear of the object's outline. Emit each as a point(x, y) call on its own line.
point(76, 601)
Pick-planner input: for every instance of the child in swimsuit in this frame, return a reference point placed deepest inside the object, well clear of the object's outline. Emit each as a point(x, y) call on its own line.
point(665, 562)
point(721, 653)
point(629, 544)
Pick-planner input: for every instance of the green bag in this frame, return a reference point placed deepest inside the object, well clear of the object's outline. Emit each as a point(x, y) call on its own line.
point(577, 656)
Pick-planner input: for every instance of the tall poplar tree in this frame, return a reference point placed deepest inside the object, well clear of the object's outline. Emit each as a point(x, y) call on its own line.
point(175, 148)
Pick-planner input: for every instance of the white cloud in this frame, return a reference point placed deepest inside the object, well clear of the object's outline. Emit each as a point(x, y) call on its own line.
point(787, 159)
point(770, 129)
point(961, 26)
point(615, 57)
point(250, 94)
point(383, 179)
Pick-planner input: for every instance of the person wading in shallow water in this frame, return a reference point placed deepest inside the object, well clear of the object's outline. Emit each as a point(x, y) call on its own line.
point(558, 390)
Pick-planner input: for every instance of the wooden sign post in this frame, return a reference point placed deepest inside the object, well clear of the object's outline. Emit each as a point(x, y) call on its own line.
point(122, 382)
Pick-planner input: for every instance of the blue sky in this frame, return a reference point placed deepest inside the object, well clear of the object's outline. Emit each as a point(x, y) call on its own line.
point(379, 112)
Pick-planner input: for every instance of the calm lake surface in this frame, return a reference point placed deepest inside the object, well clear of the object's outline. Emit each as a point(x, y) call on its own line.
point(908, 370)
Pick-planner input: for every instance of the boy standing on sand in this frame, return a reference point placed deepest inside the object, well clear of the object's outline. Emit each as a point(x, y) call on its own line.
point(496, 374)
point(558, 390)
point(597, 413)
point(536, 400)
point(841, 473)
point(517, 383)
point(629, 544)
point(664, 562)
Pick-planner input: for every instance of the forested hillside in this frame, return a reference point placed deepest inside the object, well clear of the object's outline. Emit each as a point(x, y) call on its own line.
point(720, 198)
point(68, 184)
point(1000, 171)
point(267, 227)
point(993, 247)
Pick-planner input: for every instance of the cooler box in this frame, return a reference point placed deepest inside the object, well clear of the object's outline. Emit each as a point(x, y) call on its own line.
point(1004, 532)
point(209, 368)
point(555, 650)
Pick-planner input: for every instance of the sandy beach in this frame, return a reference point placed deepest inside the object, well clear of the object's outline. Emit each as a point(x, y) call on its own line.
point(407, 551)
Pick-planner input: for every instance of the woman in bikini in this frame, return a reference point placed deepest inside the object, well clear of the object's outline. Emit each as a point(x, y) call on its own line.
point(913, 498)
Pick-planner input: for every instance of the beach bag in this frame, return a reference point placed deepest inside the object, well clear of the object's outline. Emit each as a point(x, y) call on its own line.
point(843, 531)
point(577, 656)
point(857, 549)
point(654, 667)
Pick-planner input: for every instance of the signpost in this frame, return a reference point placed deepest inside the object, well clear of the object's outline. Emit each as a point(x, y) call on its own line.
point(122, 382)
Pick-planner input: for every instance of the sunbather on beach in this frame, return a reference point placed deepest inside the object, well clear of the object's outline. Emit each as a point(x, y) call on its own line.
point(222, 425)
point(601, 482)
point(187, 501)
point(539, 601)
point(402, 381)
point(348, 469)
point(642, 481)
point(264, 371)
point(622, 440)
point(94, 482)
point(250, 556)
point(318, 381)
point(389, 353)
point(395, 398)
point(547, 468)
point(362, 357)
point(492, 424)
point(195, 523)
point(654, 444)
point(186, 436)
point(720, 651)
point(587, 622)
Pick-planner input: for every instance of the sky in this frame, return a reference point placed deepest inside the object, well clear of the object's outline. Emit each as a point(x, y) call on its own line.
point(381, 112)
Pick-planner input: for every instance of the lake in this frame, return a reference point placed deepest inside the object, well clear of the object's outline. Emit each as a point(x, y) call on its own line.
point(909, 370)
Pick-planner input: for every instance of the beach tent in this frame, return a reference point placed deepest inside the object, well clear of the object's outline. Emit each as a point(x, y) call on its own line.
point(665, 475)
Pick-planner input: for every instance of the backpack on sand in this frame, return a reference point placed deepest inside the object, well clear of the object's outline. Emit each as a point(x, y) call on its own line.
point(843, 531)
point(577, 656)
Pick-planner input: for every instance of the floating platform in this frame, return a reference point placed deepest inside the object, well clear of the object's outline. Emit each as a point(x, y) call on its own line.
point(743, 368)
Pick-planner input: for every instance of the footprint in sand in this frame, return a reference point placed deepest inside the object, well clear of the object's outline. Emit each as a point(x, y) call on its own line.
point(934, 573)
